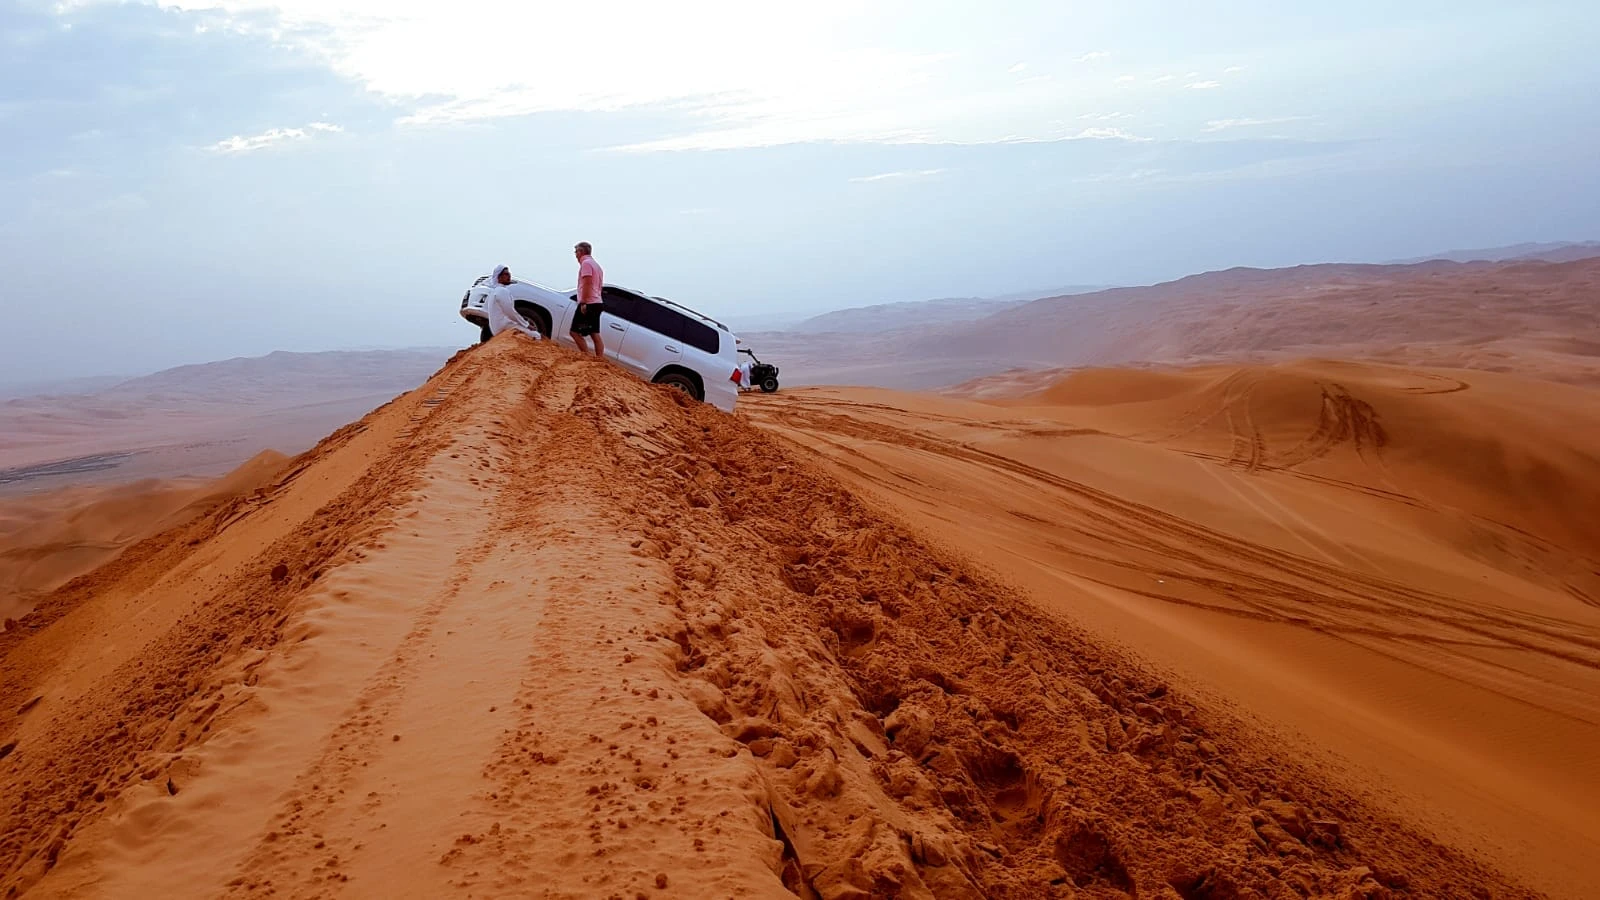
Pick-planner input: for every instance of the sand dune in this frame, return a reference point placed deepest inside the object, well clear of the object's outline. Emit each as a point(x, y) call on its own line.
point(1525, 317)
point(539, 629)
point(199, 421)
point(49, 538)
point(1400, 566)
point(1553, 251)
point(941, 311)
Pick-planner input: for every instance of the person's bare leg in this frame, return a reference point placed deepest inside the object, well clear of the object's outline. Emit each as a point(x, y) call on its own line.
point(599, 346)
point(583, 346)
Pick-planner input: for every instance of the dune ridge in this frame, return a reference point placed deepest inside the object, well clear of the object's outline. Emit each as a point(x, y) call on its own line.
point(538, 628)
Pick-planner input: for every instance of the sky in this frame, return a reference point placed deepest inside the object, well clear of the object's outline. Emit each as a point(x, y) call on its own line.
point(186, 180)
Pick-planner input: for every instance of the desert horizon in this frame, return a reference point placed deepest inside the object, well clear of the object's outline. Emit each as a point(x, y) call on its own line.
point(1274, 603)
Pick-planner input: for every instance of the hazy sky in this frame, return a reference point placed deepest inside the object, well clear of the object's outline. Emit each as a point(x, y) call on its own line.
point(199, 179)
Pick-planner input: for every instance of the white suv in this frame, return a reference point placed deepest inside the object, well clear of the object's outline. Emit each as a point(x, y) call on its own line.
point(652, 337)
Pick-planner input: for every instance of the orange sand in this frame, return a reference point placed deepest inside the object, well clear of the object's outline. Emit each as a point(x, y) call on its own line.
point(539, 629)
point(1398, 565)
point(49, 538)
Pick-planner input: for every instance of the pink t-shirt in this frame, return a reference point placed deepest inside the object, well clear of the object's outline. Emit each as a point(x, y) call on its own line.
point(590, 292)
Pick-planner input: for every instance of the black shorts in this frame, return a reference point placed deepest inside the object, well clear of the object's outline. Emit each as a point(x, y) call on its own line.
point(586, 320)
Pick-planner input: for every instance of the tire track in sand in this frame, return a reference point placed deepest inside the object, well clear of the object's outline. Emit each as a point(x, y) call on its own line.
point(1270, 583)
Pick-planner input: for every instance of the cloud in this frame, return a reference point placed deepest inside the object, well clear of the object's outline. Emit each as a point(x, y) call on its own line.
point(271, 137)
point(1224, 124)
point(1116, 177)
point(1163, 79)
point(240, 144)
point(1203, 85)
point(821, 76)
point(677, 77)
point(712, 141)
point(1219, 161)
point(1103, 134)
point(1105, 117)
point(897, 176)
point(1231, 69)
point(129, 81)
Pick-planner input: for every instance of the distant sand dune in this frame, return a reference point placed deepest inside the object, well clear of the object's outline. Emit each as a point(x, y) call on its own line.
point(47, 539)
point(1530, 318)
point(196, 421)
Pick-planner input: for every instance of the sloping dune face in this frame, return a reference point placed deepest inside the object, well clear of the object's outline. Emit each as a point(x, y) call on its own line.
point(1500, 469)
point(1401, 564)
point(537, 629)
point(49, 538)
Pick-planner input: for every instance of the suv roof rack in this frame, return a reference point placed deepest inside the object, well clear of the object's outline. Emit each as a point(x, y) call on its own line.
point(695, 313)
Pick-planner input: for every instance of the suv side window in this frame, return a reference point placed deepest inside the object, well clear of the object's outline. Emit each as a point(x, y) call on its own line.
point(700, 335)
point(663, 320)
point(659, 319)
point(679, 327)
point(621, 304)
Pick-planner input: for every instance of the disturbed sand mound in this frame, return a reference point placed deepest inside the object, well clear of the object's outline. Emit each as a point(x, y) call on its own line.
point(1395, 566)
point(539, 629)
point(49, 538)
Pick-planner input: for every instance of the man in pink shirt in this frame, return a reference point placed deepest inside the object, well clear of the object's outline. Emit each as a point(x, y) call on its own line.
point(586, 322)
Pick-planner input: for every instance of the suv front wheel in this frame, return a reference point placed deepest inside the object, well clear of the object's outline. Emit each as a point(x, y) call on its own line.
point(681, 382)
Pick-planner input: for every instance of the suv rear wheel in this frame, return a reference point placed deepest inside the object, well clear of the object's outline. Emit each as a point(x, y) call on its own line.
point(681, 382)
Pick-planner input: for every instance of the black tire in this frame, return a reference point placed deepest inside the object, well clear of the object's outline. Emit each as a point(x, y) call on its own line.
point(769, 385)
point(681, 382)
point(537, 316)
point(541, 324)
point(485, 333)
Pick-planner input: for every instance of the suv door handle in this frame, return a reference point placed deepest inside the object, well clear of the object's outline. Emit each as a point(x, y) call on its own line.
point(670, 349)
point(615, 326)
